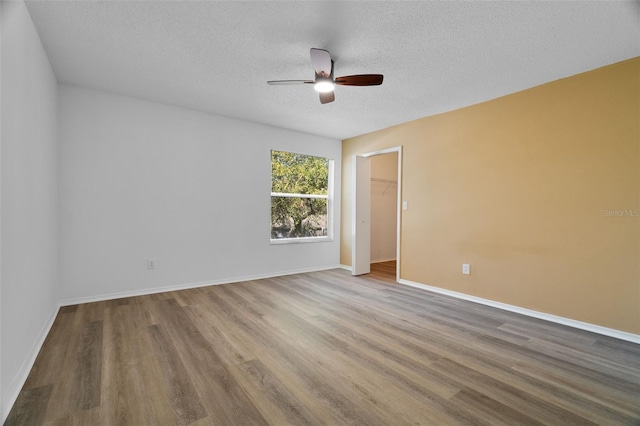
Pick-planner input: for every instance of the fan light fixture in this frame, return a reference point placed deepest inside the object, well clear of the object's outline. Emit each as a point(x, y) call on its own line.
point(323, 81)
point(324, 86)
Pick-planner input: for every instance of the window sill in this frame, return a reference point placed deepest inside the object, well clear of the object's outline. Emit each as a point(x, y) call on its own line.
point(279, 241)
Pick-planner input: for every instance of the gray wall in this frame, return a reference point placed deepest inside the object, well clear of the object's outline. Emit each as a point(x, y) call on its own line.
point(28, 191)
point(94, 184)
point(141, 180)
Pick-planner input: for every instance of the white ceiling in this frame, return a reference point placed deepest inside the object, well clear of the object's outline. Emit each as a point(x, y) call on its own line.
point(436, 56)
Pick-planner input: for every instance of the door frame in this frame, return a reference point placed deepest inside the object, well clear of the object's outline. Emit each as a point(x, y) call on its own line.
point(397, 149)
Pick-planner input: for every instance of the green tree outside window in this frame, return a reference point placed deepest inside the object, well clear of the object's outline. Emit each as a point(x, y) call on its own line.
point(299, 195)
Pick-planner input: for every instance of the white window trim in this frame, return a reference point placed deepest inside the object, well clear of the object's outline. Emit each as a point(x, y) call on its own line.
point(290, 195)
point(329, 197)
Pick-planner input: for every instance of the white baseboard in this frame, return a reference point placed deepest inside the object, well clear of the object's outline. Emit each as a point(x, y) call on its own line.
point(622, 335)
point(11, 395)
point(142, 292)
point(347, 267)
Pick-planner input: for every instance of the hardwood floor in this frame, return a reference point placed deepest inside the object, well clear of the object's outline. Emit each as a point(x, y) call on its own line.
point(322, 348)
point(384, 271)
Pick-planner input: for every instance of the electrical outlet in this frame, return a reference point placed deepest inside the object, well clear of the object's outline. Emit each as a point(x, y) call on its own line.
point(151, 264)
point(466, 270)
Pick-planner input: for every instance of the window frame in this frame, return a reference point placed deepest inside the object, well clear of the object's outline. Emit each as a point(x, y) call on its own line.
point(329, 197)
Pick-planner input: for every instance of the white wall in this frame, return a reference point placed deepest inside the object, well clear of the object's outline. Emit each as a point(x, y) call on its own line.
point(384, 206)
point(28, 195)
point(142, 180)
point(93, 184)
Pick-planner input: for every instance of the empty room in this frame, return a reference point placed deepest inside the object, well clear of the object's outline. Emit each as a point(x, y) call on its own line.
point(319, 212)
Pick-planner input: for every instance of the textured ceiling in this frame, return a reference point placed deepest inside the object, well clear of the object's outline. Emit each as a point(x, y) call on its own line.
point(436, 56)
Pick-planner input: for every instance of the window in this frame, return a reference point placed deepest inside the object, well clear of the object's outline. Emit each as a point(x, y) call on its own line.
point(300, 197)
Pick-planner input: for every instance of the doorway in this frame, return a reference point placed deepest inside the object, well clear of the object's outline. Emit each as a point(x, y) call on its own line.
point(384, 215)
point(376, 211)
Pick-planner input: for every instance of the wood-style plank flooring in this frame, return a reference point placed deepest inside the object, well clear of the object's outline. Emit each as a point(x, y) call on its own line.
point(322, 348)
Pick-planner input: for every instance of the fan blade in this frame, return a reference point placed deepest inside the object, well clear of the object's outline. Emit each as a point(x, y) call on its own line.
point(283, 82)
point(327, 97)
point(321, 60)
point(360, 80)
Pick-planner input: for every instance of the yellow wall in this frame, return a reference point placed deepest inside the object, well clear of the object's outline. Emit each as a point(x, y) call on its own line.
point(528, 189)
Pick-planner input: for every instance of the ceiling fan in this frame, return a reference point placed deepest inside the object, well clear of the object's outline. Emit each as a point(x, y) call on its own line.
point(324, 83)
